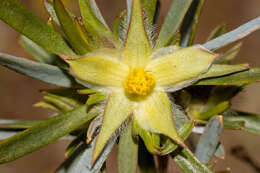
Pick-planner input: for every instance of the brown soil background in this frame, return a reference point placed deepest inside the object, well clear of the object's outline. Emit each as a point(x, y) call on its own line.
point(18, 93)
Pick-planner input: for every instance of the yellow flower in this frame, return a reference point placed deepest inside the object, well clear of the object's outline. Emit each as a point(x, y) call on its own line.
point(137, 80)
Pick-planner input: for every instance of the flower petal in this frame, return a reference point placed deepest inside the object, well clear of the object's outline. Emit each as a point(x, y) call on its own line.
point(117, 111)
point(98, 70)
point(137, 47)
point(155, 114)
point(181, 67)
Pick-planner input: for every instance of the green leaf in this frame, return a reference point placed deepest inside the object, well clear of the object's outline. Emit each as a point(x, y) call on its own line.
point(237, 79)
point(42, 134)
point(17, 124)
point(234, 35)
point(69, 96)
point(184, 132)
point(25, 22)
point(189, 163)
point(229, 55)
point(43, 72)
point(172, 21)
point(221, 70)
point(7, 133)
point(62, 99)
point(48, 4)
point(190, 23)
point(46, 105)
point(218, 31)
point(95, 98)
point(127, 151)
point(80, 160)
point(95, 24)
point(150, 10)
point(251, 121)
point(213, 110)
point(209, 140)
point(59, 104)
point(38, 52)
point(155, 146)
point(69, 28)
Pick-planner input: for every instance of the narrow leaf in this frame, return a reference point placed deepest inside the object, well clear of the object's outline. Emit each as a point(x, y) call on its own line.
point(189, 163)
point(251, 121)
point(190, 23)
point(17, 124)
point(234, 35)
point(238, 79)
point(127, 151)
point(218, 31)
point(80, 160)
point(42, 134)
point(209, 140)
point(43, 72)
point(67, 25)
point(21, 19)
point(94, 24)
point(95, 98)
point(48, 4)
point(38, 52)
point(221, 70)
point(213, 110)
point(172, 21)
point(4, 134)
point(229, 55)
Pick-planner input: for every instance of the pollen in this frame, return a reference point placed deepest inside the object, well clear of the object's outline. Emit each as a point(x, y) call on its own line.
point(139, 82)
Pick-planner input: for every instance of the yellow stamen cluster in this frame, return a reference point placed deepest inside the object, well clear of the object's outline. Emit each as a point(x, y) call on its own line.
point(139, 82)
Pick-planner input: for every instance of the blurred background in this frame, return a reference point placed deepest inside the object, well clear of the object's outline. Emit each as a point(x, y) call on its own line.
point(18, 93)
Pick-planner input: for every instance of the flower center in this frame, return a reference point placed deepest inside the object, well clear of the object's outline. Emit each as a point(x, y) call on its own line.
point(139, 82)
